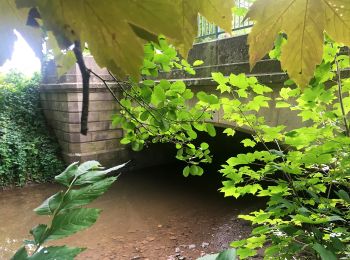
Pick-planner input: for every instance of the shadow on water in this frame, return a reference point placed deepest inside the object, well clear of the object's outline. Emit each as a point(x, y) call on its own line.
point(152, 213)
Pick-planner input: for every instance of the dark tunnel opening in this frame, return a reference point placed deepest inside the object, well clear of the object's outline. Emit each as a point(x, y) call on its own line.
point(161, 158)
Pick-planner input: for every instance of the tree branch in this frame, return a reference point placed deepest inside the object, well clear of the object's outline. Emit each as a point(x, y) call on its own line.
point(85, 73)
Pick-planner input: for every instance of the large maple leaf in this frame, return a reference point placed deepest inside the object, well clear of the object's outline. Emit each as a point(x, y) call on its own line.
point(116, 30)
point(304, 22)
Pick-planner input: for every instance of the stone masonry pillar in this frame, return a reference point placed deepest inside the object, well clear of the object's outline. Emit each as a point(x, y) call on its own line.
point(61, 102)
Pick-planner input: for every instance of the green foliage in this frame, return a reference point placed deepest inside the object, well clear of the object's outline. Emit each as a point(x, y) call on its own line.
point(303, 173)
point(229, 254)
point(28, 152)
point(159, 110)
point(85, 183)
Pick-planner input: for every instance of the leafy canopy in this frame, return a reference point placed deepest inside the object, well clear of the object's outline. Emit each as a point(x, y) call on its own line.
point(304, 22)
point(121, 27)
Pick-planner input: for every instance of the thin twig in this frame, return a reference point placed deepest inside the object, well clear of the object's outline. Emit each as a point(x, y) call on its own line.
point(118, 101)
point(340, 96)
point(132, 97)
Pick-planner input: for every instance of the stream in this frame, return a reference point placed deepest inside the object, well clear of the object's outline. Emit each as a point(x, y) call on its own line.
point(153, 213)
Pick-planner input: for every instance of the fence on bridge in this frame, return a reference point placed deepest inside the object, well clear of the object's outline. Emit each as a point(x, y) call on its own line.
point(209, 31)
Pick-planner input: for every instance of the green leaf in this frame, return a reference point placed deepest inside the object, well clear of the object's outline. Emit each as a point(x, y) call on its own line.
point(21, 254)
point(342, 194)
point(260, 89)
point(148, 82)
point(71, 221)
point(242, 93)
point(125, 140)
point(74, 171)
point(158, 95)
point(68, 174)
point(186, 171)
point(238, 243)
point(272, 250)
point(164, 125)
point(260, 230)
point(309, 220)
point(93, 176)
point(282, 104)
point(256, 241)
point(87, 166)
point(211, 130)
point(219, 78)
point(83, 196)
point(64, 62)
point(117, 120)
point(323, 252)
point(258, 102)
point(196, 170)
point(244, 253)
point(188, 94)
point(56, 253)
point(198, 63)
point(241, 159)
point(229, 132)
point(204, 146)
point(248, 143)
point(49, 206)
point(145, 115)
point(240, 81)
point(229, 254)
point(210, 99)
point(38, 233)
point(137, 146)
point(192, 134)
point(178, 87)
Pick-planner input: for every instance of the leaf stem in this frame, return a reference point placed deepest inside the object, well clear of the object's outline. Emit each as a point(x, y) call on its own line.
point(340, 97)
point(54, 214)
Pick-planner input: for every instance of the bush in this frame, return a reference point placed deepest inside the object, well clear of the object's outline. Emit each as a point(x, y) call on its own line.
point(28, 152)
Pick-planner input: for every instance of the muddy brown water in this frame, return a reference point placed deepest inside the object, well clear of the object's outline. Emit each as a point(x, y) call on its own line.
point(148, 214)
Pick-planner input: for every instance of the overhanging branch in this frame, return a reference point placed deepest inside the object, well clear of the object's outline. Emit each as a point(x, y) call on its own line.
point(85, 73)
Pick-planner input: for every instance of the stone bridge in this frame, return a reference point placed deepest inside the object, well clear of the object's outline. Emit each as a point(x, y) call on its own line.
point(61, 100)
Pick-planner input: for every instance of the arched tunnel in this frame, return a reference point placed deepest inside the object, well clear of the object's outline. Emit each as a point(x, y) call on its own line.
point(221, 146)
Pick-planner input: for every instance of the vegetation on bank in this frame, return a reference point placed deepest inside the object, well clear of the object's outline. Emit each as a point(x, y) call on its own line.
point(28, 151)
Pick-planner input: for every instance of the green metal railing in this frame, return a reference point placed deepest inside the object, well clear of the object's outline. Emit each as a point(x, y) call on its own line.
point(209, 31)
